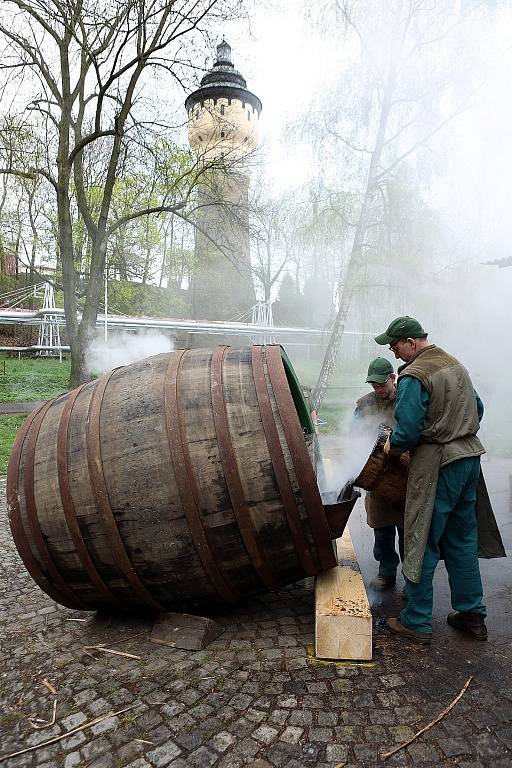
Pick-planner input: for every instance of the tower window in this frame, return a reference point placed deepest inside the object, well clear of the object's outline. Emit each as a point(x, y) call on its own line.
point(222, 134)
point(248, 115)
point(243, 104)
point(222, 109)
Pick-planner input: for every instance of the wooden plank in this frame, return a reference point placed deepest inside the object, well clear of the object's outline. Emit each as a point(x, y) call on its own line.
point(184, 630)
point(343, 621)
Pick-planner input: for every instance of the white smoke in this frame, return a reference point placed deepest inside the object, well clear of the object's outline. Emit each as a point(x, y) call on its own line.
point(345, 462)
point(124, 348)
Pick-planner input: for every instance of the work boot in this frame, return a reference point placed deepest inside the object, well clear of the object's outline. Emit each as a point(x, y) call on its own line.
point(381, 583)
point(396, 626)
point(471, 623)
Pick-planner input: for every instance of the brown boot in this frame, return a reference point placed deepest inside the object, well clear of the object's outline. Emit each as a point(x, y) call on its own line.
point(396, 626)
point(471, 623)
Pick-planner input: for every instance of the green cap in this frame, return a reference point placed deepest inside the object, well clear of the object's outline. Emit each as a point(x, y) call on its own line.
point(402, 328)
point(379, 371)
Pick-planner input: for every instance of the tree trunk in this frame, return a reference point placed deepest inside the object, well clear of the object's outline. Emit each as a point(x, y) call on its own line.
point(355, 261)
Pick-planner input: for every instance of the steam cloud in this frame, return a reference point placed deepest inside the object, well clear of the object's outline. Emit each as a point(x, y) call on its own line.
point(124, 348)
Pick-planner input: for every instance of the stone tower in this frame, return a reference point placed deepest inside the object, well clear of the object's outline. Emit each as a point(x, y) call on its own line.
point(223, 130)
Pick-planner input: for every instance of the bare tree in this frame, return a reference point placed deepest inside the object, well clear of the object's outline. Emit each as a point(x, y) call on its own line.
point(90, 66)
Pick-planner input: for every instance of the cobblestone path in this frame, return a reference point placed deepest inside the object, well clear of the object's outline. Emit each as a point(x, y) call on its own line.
point(252, 698)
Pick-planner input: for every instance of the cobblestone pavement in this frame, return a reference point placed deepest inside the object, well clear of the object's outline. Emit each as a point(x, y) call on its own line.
point(254, 697)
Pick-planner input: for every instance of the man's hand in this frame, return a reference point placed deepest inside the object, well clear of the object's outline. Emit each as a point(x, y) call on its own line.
point(387, 446)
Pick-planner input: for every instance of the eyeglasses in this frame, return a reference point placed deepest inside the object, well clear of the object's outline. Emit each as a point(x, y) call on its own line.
point(393, 345)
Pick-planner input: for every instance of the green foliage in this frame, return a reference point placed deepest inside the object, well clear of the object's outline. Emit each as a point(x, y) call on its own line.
point(32, 379)
point(9, 426)
point(127, 298)
point(289, 309)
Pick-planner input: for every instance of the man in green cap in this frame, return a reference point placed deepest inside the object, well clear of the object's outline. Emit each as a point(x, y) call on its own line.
point(437, 419)
point(383, 515)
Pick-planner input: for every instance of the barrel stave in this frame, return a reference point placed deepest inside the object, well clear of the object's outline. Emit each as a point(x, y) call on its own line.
point(201, 441)
point(255, 468)
point(141, 484)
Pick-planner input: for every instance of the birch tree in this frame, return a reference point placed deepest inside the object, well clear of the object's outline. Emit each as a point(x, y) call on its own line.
point(410, 77)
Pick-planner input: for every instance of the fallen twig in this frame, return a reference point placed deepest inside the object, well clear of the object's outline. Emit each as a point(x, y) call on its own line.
point(49, 686)
point(111, 650)
point(76, 619)
point(427, 727)
point(144, 741)
point(65, 735)
point(44, 723)
point(118, 642)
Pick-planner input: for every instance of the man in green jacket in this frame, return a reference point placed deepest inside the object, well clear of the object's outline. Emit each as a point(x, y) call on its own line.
point(437, 417)
point(386, 517)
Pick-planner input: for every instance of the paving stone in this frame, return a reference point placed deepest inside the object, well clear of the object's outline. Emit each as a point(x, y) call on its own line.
point(94, 749)
point(73, 741)
point(424, 754)
point(162, 756)
point(203, 758)
point(291, 734)
point(452, 747)
point(72, 760)
point(247, 747)
point(301, 717)
point(73, 721)
point(337, 752)
point(279, 716)
point(104, 761)
point(265, 734)
point(255, 715)
point(223, 740)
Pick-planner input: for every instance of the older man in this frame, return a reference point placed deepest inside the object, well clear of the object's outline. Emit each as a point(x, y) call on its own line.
point(437, 419)
point(386, 517)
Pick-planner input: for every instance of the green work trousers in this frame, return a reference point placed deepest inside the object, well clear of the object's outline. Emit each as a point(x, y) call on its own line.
point(453, 536)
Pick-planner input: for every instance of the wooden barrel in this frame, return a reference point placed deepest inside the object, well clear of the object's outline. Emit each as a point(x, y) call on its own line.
point(180, 479)
point(384, 475)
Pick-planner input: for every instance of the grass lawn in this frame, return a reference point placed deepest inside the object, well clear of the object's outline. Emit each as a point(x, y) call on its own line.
point(32, 378)
point(22, 381)
point(9, 425)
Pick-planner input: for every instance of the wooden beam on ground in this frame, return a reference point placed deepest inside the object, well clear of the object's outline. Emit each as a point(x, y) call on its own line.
point(343, 620)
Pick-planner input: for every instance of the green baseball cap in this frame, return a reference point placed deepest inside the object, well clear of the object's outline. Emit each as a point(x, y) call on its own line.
point(402, 328)
point(379, 371)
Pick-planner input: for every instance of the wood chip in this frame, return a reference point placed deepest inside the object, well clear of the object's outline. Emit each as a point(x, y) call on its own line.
point(49, 686)
point(436, 720)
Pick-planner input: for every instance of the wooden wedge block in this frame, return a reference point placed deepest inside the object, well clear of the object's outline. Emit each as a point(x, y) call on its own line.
point(343, 620)
point(183, 630)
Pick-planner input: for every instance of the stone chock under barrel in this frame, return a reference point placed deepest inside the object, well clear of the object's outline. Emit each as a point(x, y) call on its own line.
point(182, 479)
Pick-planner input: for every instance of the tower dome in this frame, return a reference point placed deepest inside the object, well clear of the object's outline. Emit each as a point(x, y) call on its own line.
point(222, 113)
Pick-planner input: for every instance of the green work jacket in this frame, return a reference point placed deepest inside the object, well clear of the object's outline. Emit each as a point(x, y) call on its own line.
point(437, 421)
